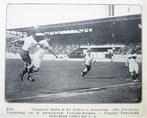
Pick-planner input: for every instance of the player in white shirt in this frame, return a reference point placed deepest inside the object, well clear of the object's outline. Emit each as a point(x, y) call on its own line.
point(133, 66)
point(42, 47)
point(88, 60)
point(29, 42)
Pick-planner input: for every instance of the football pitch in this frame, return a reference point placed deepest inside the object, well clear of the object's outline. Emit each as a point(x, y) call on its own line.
point(61, 82)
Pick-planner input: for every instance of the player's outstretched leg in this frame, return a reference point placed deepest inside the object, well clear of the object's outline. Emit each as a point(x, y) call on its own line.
point(84, 72)
point(30, 70)
point(24, 71)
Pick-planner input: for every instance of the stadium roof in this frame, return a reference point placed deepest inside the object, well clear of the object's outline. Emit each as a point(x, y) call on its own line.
point(75, 25)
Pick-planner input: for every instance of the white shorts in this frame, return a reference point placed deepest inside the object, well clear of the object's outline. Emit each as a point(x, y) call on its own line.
point(36, 62)
point(38, 57)
point(134, 68)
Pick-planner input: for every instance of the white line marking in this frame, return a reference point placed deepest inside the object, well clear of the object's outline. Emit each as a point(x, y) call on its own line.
point(72, 93)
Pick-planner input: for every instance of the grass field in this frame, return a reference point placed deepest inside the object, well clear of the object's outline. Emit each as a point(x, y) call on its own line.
point(60, 82)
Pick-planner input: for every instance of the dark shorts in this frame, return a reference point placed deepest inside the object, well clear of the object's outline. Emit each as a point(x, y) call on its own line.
point(25, 56)
point(88, 67)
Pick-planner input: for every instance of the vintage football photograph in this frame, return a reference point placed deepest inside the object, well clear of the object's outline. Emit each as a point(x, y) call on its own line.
point(73, 53)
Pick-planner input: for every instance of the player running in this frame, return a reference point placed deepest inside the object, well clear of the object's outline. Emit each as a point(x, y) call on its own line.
point(133, 67)
point(42, 46)
point(29, 42)
point(88, 60)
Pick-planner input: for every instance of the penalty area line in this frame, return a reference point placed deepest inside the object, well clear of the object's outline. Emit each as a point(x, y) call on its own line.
point(72, 93)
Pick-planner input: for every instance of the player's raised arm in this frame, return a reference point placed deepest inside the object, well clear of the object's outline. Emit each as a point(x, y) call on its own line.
point(45, 45)
point(17, 39)
point(52, 52)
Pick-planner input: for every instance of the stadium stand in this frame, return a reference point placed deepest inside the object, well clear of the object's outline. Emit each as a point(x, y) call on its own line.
point(116, 30)
point(129, 49)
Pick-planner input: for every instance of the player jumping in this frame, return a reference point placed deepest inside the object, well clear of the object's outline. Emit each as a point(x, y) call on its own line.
point(88, 60)
point(42, 46)
point(29, 42)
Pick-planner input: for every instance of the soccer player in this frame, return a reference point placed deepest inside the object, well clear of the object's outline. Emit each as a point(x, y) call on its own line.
point(42, 46)
point(88, 60)
point(133, 66)
point(29, 42)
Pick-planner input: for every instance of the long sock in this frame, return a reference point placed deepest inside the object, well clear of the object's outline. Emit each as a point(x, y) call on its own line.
point(84, 73)
point(30, 70)
point(24, 71)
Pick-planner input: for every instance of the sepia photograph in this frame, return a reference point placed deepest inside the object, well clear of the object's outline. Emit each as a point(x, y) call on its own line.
point(73, 53)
